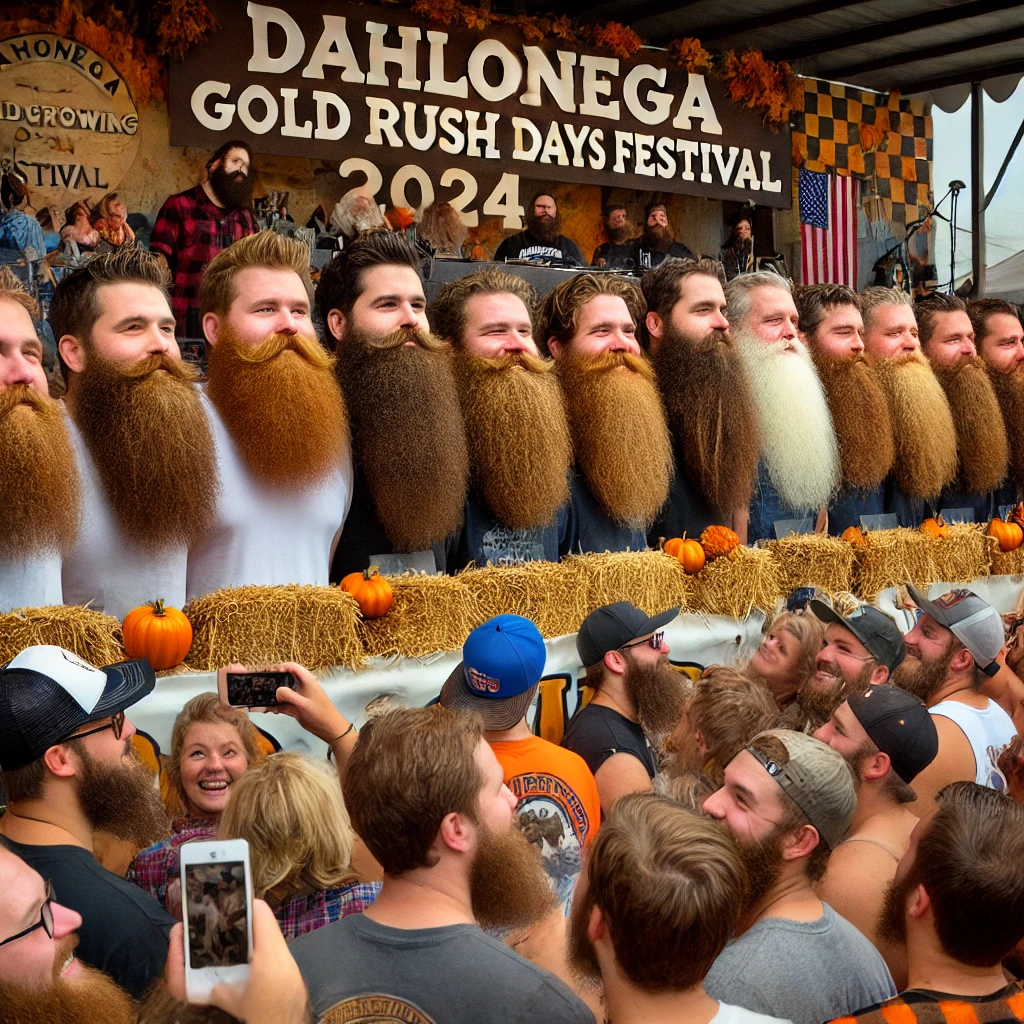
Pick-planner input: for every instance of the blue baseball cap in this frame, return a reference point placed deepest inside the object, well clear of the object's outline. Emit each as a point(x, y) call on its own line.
point(502, 662)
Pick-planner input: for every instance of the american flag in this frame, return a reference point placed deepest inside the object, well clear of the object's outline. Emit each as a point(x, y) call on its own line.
point(828, 228)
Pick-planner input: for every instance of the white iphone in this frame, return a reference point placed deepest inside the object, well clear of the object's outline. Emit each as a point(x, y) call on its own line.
point(216, 905)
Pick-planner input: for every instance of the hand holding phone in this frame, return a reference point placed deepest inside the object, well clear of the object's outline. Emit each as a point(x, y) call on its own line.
point(257, 689)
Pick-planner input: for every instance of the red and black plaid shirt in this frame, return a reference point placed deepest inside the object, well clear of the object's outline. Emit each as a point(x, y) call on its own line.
point(190, 230)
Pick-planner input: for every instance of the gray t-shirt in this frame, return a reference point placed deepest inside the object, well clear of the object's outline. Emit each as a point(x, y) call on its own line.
point(427, 976)
point(805, 971)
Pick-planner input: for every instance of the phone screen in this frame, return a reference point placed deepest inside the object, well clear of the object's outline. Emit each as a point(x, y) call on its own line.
point(217, 914)
point(256, 689)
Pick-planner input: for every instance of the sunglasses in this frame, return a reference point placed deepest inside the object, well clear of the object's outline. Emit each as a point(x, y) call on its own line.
point(45, 918)
point(116, 723)
point(655, 640)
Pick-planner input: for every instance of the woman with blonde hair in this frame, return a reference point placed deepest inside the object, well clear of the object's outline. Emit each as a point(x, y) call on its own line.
point(787, 655)
point(291, 812)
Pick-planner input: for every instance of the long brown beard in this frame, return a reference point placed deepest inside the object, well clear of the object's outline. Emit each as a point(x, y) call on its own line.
point(38, 476)
point(88, 999)
point(508, 885)
point(711, 414)
point(981, 437)
point(518, 435)
point(543, 228)
point(408, 434)
point(657, 238)
point(762, 859)
point(1009, 389)
point(150, 440)
point(922, 426)
point(619, 235)
point(282, 406)
point(922, 678)
point(619, 433)
point(658, 695)
point(860, 415)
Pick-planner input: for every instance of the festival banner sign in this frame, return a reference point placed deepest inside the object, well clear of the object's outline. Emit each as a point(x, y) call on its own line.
point(413, 113)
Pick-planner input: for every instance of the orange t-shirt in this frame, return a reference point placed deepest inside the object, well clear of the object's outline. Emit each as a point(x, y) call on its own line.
point(559, 807)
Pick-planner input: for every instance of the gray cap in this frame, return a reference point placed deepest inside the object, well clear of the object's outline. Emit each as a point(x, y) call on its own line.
point(873, 628)
point(974, 622)
point(817, 779)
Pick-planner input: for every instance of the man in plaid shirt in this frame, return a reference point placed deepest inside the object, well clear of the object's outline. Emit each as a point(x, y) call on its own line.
point(193, 226)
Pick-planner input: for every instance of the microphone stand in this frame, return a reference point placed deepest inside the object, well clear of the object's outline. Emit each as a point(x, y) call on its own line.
point(955, 188)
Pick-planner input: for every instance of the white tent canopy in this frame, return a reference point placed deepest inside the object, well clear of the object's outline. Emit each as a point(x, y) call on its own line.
point(1006, 279)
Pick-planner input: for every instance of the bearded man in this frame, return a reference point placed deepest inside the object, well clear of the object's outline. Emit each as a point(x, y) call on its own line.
point(194, 225)
point(409, 442)
point(38, 478)
point(543, 238)
point(621, 440)
point(278, 422)
point(617, 253)
point(518, 507)
point(947, 339)
point(711, 413)
point(799, 471)
point(832, 329)
point(70, 772)
point(922, 423)
point(999, 338)
point(657, 241)
point(638, 698)
point(142, 444)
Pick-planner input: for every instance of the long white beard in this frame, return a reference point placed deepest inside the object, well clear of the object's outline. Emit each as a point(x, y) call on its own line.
point(798, 442)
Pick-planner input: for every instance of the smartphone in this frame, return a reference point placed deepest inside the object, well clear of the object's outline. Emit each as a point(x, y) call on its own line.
point(216, 908)
point(252, 689)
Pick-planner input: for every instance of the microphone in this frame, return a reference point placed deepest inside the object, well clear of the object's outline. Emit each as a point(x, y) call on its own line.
point(956, 186)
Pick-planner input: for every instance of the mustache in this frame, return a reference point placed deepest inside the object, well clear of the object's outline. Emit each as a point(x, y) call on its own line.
point(65, 948)
point(396, 339)
point(274, 345)
point(176, 368)
point(22, 394)
point(509, 360)
point(605, 362)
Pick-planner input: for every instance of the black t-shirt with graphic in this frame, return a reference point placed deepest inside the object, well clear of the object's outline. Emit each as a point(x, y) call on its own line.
point(524, 246)
point(596, 733)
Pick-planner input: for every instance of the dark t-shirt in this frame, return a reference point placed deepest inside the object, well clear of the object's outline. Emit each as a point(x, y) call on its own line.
point(124, 930)
point(370, 971)
point(524, 246)
point(616, 255)
point(686, 510)
point(646, 259)
point(596, 732)
point(595, 530)
point(850, 504)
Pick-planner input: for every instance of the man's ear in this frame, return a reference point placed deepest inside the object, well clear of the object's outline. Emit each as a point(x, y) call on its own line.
point(877, 766)
point(556, 348)
point(336, 324)
point(72, 351)
point(457, 832)
point(211, 328)
point(800, 843)
point(57, 760)
point(615, 662)
point(879, 675)
point(655, 325)
point(698, 738)
point(962, 661)
point(597, 926)
point(920, 902)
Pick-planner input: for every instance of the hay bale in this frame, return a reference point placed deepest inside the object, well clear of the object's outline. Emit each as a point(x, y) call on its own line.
point(651, 580)
point(314, 626)
point(814, 560)
point(744, 579)
point(1005, 563)
point(893, 557)
point(93, 636)
point(431, 614)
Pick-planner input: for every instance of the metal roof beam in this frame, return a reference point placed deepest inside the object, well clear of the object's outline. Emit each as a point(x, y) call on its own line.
point(713, 33)
point(976, 74)
point(890, 29)
point(631, 15)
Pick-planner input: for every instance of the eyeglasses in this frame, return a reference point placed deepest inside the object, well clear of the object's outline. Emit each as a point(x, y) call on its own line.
point(655, 640)
point(45, 918)
point(116, 723)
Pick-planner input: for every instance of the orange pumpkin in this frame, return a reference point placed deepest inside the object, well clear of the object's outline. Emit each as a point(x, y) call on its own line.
point(372, 592)
point(689, 552)
point(163, 635)
point(1009, 535)
point(936, 528)
point(855, 535)
point(718, 541)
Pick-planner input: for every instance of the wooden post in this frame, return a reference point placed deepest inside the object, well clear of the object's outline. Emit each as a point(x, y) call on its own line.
point(978, 188)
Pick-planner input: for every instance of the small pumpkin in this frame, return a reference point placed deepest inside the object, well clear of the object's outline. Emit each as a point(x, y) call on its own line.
point(162, 635)
point(689, 552)
point(718, 540)
point(855, 535)
point(372, 591)
point(936, 528)
point(1009, 535)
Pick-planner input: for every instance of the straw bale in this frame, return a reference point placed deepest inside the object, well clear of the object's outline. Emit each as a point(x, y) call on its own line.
point(1005, 563)
point(892, 557)
point(314, 626)
point(430, 614)
point(813, 560)
point(93, 636)
point(651, 580)
point(746, 578)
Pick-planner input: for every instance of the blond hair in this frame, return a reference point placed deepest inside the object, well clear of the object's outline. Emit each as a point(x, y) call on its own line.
point(12, 290)
point(876, 296)
point(291, 812)
point(264, 249)
point(809, 633)
point(447, 313)
point(560, 312)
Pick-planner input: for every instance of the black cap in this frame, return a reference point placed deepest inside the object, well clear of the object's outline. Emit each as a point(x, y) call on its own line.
point(614, 625)
point(47, 693)
point(873, 628)
point(899, 725)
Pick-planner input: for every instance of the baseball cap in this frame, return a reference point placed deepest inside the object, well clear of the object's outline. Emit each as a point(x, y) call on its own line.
point(502, 662)
point(46, 693)
point(899, 725)
point(817, 779)
point(613, 625)
point(873, 628)
point(974, 622)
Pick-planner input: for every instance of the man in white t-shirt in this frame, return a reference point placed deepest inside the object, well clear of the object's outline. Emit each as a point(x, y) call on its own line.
point(659, 897)
point(38, 481)
point(142, 443)
point(951, 655)
point(278, 420)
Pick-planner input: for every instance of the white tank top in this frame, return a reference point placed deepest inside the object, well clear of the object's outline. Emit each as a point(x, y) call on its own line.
point(988, 731)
